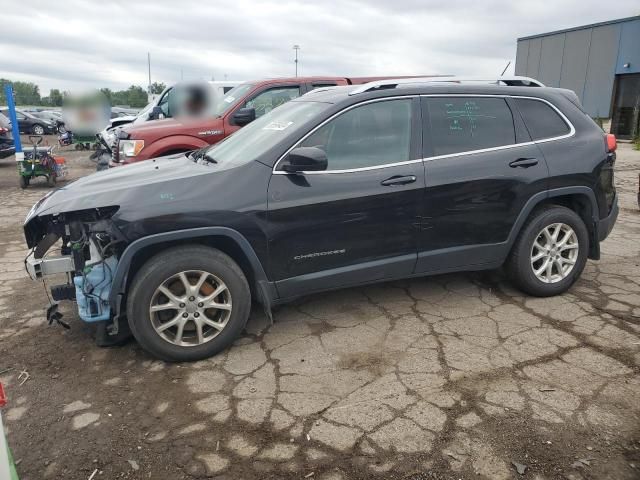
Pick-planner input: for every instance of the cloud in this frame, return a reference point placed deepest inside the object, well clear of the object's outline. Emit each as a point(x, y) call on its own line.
point(88, 43)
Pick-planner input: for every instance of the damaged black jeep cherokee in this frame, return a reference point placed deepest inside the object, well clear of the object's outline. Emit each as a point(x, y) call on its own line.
point(341, 187)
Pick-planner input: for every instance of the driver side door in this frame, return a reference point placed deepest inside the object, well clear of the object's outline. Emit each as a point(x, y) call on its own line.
point(354, 222)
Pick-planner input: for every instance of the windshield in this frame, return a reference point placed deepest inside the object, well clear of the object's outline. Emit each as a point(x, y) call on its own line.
point(232, 98)
point(262, 134)
point(143, 115)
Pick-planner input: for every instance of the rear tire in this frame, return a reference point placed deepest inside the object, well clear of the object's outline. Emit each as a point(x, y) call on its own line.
point(159, 286)
point(37, 129)
point(543, 266)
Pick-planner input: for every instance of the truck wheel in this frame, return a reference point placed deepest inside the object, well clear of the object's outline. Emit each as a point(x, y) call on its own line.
point(188, 303)
point(550, 252)
point(24, 182)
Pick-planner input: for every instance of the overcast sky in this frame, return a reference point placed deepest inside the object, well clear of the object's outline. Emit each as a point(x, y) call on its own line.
point(77, 44)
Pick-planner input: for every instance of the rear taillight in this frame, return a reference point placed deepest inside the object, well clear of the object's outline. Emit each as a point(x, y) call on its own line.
point(611, 142)
point(3, 130)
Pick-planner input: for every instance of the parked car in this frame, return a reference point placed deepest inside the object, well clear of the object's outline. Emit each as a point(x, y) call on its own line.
point(53, 117)
point(341, 187)
point(29, 123)
point(240, 106)
point(118, 112)
point(157, 109)
point(6, 139)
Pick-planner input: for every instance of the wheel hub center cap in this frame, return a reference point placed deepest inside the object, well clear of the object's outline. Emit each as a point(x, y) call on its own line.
point(191, 307)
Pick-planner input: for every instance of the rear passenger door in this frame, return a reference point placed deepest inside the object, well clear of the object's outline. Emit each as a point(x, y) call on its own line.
point(480, 169)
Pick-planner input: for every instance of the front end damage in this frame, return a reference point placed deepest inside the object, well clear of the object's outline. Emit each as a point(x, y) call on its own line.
point(84, 246)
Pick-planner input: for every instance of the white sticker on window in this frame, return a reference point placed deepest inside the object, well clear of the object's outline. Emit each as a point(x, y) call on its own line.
point(229, 99)
point(277, 126)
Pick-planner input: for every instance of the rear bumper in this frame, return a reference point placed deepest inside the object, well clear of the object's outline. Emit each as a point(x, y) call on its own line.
point(605, 225)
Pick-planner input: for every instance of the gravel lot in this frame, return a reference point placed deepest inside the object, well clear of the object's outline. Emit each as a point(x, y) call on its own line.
point(448, 377)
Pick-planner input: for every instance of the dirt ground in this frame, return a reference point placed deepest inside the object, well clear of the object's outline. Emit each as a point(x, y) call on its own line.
point(449, 377)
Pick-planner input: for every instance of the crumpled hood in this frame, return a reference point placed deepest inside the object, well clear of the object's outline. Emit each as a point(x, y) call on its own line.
point(120, 186)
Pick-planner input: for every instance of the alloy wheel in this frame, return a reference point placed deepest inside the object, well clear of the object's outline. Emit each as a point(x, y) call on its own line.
point(38, 130)
point(190, 308)
point(554, 252)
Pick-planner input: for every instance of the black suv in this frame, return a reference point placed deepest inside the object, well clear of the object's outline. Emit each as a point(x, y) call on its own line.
point(343, 186)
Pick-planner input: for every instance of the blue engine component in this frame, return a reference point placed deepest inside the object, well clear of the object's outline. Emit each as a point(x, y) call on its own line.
point(92, 291)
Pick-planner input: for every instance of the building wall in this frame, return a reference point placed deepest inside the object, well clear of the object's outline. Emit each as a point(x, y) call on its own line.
point(629, 48)
point(584, 60)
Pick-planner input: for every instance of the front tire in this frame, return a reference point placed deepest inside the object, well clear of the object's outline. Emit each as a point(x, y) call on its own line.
point(550, 252)
point(188, 303)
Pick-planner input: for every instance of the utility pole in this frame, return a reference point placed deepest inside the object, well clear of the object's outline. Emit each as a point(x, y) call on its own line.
point(149, 68)
point(296, 48)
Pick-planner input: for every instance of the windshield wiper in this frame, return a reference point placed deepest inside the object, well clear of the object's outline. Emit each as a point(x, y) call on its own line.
point(209, 158)
point(201, 155)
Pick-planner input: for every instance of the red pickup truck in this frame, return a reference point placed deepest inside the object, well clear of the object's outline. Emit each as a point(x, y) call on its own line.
point(238, 107)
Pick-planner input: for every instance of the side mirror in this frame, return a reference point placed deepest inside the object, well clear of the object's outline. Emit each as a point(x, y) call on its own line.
point(305, 159)
point(156, 113)
point(244, 116)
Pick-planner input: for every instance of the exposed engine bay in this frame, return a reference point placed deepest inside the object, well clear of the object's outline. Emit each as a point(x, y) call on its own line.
point(87, 248)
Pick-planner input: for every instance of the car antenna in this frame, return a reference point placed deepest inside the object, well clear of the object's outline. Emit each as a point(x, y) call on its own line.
point(505, 68)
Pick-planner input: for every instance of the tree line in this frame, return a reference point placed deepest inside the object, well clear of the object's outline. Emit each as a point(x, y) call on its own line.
point(28, 93)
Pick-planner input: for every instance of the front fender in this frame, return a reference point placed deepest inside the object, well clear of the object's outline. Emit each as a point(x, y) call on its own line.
point(120, 276)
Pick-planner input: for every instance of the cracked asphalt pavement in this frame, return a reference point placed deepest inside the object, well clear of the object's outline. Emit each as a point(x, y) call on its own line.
point(448, 377)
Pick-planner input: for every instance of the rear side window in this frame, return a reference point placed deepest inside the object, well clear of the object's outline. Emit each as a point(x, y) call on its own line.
point(464, 124)
point(541, 119)
point(322, 85)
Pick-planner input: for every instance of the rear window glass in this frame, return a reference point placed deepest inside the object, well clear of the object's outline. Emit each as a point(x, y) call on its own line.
point(541, 119)
point(464, 124)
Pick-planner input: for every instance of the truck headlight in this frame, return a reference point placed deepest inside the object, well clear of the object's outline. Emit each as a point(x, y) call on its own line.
point(130, 148)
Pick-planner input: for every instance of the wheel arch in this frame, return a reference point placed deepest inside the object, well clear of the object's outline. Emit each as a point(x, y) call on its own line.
point(580, 199)
point(225, 239)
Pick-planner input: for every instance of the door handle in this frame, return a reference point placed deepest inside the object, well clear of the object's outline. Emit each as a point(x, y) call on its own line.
point(398, 180)
point(524, 162)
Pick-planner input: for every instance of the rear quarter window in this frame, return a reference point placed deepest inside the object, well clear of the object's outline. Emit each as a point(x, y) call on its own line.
point(542, 120)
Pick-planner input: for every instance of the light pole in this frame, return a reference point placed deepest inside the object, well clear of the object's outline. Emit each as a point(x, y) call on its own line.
point(296, 48)
point(149, 70)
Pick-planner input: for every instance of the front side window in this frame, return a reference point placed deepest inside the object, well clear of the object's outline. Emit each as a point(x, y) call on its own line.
point(464, 124)
point(541, 119)
point(266, 101)
point(231, 99)
point(370, 135)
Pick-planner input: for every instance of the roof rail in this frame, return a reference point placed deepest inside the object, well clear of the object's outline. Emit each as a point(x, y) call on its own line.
point(514, 81)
